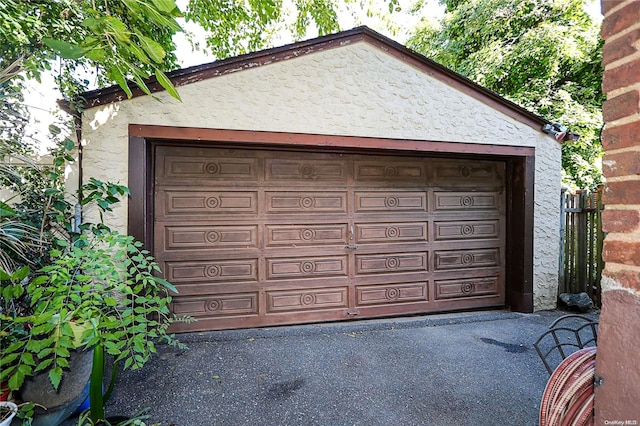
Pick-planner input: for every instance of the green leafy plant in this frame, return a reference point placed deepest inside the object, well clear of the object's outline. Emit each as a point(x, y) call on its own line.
point(138, 419)
point(40, 213)
point(105, 284)
point(71, 285)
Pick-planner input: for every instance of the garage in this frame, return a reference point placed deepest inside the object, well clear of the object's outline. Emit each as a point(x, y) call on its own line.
point(338, 178)
point(259, 237)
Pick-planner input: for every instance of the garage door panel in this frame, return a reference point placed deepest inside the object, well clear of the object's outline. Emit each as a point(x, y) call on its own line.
point(306, 235)
point(390, 201)
point(207, 170)
point(386, 294)
point(466, 259)
point(306, 267)
point(212, 271)
point(194, 202)
point(466, 230)
point(467, 173)
point(370, 233)
point(190, 237)
point(465, 201)
point(218, 305)
point(394, 173)
point(466, 287)
point(304, 203)
point(306, 299)
point(386, 263)
point(305, 172)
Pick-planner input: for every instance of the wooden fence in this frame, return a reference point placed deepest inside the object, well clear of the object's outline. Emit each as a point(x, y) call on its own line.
point(581, 243)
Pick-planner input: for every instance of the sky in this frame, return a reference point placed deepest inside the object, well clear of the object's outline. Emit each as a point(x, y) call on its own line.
point(41, 98)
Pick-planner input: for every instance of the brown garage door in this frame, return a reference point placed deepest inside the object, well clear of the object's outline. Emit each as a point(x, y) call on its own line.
point(259, 237)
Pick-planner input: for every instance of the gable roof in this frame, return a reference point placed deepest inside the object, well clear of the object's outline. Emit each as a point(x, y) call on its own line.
point(222, 67)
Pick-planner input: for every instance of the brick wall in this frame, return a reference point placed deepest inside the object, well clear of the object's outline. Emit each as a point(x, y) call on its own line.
point(618, 359)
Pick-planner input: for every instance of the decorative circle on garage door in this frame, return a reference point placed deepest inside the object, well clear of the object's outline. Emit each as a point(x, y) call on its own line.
point(392, 263)
point(213, 271)
point(213, 202)
point(307, 170)
point(467, 229)
point(308, 299)
point(213, 305)
point(392, 293)
point(467, 288)
point(308, 234)
point(392, 232)
point(306, 202)
point(307, 267)
point(467, 258)
point(467, 201)
point(212, 168)
point(390, 171)
point(391, 202)
point(213, 236)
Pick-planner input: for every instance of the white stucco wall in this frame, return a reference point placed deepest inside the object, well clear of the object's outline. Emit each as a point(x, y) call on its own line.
point(356, 90)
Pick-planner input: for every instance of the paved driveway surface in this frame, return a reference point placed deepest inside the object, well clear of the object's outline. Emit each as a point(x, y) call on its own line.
point(456, 369)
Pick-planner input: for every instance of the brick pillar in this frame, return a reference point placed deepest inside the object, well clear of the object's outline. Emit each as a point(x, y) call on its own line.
point(618, 359)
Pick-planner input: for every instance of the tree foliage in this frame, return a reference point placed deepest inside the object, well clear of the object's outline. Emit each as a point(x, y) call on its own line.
point(123, 38)
point(545, 55)
point(133, 39)
point(238, 27)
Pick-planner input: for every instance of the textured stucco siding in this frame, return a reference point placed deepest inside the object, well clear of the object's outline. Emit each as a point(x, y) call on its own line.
point(546, 242)
point(356, 90)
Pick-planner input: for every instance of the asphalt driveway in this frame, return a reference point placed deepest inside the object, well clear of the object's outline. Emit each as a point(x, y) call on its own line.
point(456, 369)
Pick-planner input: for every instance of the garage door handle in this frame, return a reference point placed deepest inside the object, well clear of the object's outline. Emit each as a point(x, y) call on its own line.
point(351, 246)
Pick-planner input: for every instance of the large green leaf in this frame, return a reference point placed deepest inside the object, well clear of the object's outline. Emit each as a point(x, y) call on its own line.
point(65, 49)
point(16, 380)
point(21, 273)
point(139, 53)
point(166, 6)
point(6, 210)
point(118, 29)
point(153, 48)
point(167, 84)
point(132, 5)
point(55, 376)
point(160, 19)
point(118, 77)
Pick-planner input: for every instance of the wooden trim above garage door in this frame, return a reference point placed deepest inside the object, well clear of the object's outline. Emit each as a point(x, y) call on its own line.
point(257, 139)
point(519, 181)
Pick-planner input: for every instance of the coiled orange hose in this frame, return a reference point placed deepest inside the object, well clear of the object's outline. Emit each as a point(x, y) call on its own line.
point(567, 399)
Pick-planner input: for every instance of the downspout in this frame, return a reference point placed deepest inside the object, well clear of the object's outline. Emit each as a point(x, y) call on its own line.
point(77, 219)
point(73, 108)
